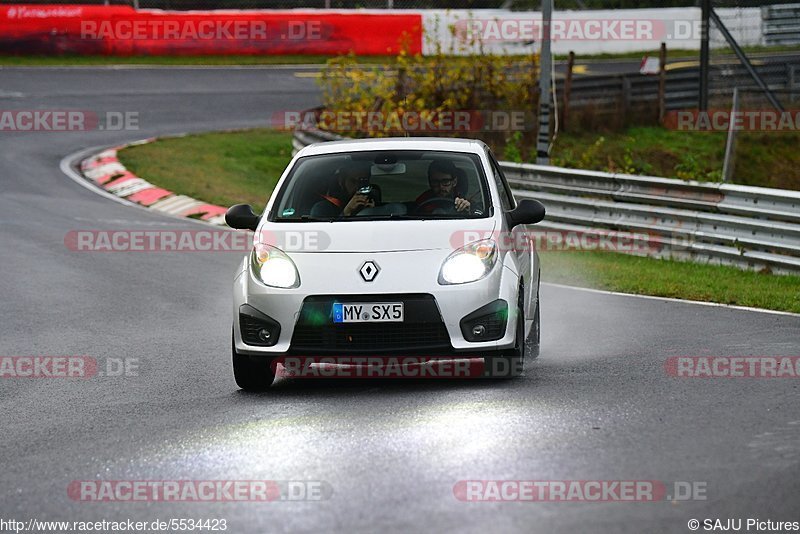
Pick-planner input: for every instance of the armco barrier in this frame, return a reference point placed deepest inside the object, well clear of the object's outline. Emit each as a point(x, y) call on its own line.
point(750, 227)
point(121, 30)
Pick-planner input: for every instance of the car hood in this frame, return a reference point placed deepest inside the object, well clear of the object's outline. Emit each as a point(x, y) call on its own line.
point(374, 236)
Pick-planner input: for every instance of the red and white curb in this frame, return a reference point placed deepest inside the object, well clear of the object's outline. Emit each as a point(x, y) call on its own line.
point(105, 170)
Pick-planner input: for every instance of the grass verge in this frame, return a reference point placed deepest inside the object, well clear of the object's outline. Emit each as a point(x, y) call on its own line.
point(243, 166)
point(223, 168)
point(669, 278)
point(762, 159)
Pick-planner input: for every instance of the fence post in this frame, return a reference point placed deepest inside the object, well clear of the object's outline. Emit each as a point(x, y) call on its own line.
point(662, 83)
point(792, 81)
point(567, 91)
point(400, 85)
point(705, 61)
point(730, 145)
point(545, 89)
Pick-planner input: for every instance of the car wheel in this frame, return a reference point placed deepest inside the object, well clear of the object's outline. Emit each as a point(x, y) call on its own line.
point(508, 364)
point(251, 373)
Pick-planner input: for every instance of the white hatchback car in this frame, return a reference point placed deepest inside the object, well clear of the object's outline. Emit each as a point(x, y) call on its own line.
point(388, 247)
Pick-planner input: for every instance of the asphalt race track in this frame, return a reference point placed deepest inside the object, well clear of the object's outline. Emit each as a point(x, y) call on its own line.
point(597, 405)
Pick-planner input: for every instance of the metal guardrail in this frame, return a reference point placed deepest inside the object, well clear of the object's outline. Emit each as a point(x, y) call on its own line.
point(745, 226)
point(781, 24)
point(750, 227)
point(682, 85)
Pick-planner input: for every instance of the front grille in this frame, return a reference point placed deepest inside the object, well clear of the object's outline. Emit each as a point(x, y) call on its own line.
point(422, 330)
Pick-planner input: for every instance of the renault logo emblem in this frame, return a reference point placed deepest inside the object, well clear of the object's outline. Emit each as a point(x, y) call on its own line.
point(369, 271)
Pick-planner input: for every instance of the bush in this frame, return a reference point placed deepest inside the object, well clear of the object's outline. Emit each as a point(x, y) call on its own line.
point(418, 95)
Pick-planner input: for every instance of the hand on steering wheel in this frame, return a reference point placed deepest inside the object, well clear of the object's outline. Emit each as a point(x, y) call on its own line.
point(447, 204)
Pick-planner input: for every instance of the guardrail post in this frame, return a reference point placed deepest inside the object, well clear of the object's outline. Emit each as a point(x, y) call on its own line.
point(626, 99)
point(730, 145)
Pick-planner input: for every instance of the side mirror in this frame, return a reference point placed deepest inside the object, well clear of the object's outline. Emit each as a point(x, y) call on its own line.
point(527, 212)
point(241, 217)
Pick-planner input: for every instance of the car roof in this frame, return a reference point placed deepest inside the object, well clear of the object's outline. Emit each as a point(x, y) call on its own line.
point(445, 144)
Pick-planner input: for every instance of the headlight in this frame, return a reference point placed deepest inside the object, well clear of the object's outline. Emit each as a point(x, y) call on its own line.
point(273, 267)
point(469, 263)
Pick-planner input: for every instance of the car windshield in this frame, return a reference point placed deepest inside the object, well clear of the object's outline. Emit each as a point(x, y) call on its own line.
point(391, 185)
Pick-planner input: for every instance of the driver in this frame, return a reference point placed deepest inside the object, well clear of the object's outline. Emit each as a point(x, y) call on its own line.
point(342, 199)
point(443, 181)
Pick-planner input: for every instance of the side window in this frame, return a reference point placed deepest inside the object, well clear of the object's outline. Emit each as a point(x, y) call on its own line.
point(506, 198)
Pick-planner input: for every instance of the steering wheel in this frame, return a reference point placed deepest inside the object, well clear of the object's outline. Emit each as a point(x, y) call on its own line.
point(447, 204)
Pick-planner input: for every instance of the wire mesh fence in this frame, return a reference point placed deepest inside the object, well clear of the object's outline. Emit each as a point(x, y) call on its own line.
point(756, 25)
point(755, 133)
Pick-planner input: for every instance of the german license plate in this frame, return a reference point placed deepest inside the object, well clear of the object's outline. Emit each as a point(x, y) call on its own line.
point(368, 312)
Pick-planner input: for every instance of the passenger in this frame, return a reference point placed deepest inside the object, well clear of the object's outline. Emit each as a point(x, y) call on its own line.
point(342, 199)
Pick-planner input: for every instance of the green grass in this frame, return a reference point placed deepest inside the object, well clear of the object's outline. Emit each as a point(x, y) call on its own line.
point(223, 168)
point(243, 166)
point(762, 159)
point(670, 278)
point(644, 150)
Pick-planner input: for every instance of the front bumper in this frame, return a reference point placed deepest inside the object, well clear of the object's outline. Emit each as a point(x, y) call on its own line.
point(408, 276)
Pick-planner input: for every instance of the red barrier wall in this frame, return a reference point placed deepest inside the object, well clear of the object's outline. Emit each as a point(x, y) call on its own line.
point(121, 30)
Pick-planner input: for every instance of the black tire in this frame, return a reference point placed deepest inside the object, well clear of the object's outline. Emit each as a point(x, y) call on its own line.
point(509, 363)
point(252, 373)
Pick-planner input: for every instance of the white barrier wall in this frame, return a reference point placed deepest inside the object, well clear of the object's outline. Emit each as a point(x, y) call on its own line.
point(584, 32)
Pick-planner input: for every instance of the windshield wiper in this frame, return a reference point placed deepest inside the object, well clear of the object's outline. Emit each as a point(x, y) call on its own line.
point(390, 216)
point(308, 218)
